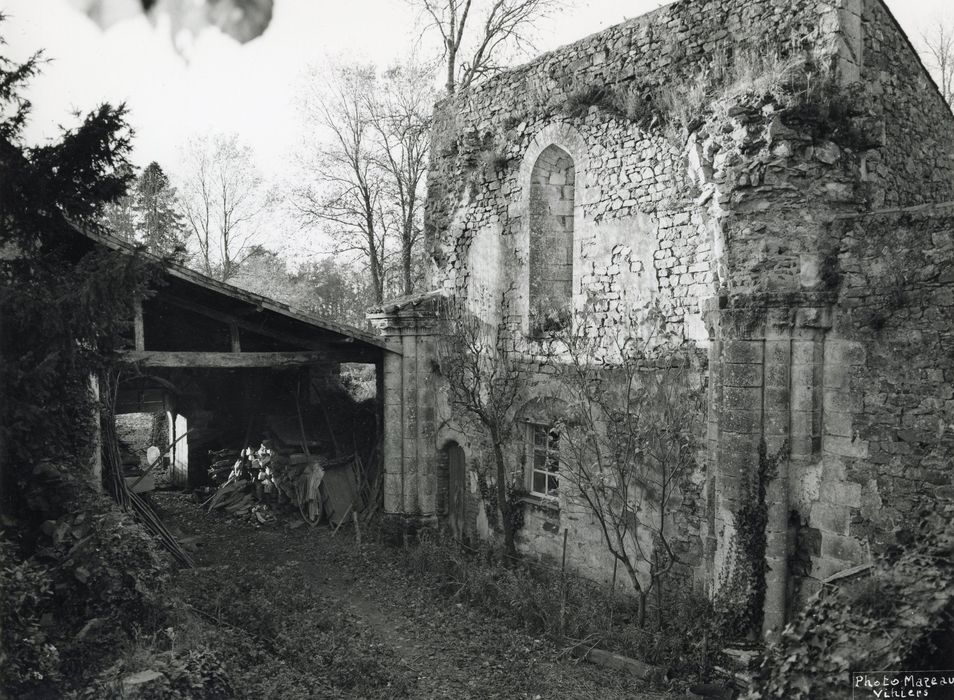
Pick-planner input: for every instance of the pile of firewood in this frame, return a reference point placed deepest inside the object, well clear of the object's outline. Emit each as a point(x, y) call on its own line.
point(295, 475)
point(267, 475)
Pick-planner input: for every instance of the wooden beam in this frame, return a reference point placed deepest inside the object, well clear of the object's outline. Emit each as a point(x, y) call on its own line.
point(234, 336)
point(239, 322)
point(225, 360)
point(138, 325)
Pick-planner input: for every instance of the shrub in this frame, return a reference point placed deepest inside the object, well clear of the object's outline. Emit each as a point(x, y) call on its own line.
point(198, 674)
point(529, 594)
point(30, 661)
point(680, 637)
point(896, 620)
point(73, 590)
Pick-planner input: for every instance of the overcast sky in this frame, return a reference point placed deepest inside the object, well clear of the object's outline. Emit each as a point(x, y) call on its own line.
point(251, 88)
point(216, 84)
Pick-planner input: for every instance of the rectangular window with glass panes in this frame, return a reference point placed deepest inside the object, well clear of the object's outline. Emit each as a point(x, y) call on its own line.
point(543, 460)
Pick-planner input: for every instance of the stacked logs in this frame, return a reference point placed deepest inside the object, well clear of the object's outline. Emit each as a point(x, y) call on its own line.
point(268, 474)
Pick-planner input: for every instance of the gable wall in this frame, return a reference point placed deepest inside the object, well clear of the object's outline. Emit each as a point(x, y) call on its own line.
point(638, 229)
point(742, 213)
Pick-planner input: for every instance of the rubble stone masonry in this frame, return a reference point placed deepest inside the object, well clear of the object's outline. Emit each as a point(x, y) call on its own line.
point(762, 228)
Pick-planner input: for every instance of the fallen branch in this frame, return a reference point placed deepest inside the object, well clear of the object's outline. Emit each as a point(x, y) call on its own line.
point(154, 523)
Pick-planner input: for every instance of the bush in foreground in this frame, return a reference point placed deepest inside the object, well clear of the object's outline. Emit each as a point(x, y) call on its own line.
point(901, 618)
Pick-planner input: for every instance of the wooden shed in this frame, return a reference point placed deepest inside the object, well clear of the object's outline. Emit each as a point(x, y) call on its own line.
point(217, 366)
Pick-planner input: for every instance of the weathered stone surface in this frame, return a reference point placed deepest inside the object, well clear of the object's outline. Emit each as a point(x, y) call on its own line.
point(828, 323)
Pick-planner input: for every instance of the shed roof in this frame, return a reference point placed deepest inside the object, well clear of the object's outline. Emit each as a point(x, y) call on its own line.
point(204, 290)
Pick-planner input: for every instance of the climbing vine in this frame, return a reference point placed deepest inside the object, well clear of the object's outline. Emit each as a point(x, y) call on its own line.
point(902, 617)
point(741, 597)
point(515, 503)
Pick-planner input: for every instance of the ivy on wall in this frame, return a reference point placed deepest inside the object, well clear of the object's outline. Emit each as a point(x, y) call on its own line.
point(741, 596)
point(901, 618)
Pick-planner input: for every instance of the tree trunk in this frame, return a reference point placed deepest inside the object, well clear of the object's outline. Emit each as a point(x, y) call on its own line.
point(377, 283)
point(641, 595)
point(641, 610)
point(406, 266)
point(503, 505)
point(451, 68)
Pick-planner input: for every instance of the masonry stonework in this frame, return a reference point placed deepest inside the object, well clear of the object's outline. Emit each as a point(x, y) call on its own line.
point(762, 229)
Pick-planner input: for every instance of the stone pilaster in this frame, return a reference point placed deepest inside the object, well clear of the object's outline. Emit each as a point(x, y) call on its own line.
point(410, 457)
point(766, 363)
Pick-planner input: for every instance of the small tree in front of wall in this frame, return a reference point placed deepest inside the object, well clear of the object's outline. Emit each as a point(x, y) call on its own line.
point(630, 436)
point(485, 383)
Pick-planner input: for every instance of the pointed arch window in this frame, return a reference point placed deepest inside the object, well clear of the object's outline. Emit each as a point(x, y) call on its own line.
point(552, 202)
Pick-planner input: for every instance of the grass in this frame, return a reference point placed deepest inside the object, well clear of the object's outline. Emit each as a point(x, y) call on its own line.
point(567, 609)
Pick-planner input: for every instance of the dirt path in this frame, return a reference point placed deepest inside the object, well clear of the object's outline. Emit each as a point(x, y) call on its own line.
point(440, 648)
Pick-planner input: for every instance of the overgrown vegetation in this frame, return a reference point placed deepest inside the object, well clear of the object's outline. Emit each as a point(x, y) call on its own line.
point(486, 383)
point(78, 574)
point(784, 77)
point(280, 640)
point(75, 586)
point(629, 438)
point(567, 609)
point(901, 618)
point(740, 598)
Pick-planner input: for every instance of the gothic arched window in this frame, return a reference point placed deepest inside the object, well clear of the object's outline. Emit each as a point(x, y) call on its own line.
point(552, 187)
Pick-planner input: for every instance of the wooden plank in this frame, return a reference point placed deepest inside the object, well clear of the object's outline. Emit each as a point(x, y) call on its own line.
point(608, 659)
point(224, 360)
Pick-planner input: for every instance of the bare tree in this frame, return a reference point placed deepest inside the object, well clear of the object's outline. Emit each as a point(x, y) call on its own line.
point(939, 52)
point(368, 167)
point(224, 202)
point(348, 191)
point(400, 114)
point(628, 440)
point(475, 32)
point(486, 384)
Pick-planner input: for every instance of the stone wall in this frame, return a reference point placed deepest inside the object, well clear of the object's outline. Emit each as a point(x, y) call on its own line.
point(889, 384)
point(912, 125)
point(727, 225)
point(632, 187)
point(546, 522)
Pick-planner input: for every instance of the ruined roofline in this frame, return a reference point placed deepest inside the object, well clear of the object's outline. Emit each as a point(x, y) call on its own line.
point(924, 69)
point(651, 15)
point(403, 302)
point(539, 58)
point(638, 19)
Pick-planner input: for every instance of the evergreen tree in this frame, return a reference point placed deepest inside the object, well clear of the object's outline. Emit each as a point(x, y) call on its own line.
point(158, 221)
point(64, 307)
point(149, 215)
point(120, 220)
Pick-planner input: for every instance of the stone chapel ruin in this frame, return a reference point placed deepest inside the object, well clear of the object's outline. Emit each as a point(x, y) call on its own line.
point(778, 174)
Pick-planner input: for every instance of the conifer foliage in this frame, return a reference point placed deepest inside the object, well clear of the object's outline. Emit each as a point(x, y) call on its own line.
point(149, 214)
point(64, 307)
